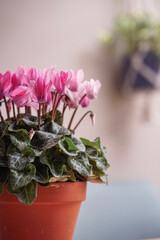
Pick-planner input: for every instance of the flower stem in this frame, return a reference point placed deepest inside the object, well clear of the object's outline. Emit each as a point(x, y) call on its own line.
point(14, 113)
point(63, 111)
point(29, 110)
point(2, 119)
point(82, 119)
point(7, 110)
point(18, 112)
point(73, 115)
point(54, 104)
point(57, 104)
point(43, 108)
point(39, 116)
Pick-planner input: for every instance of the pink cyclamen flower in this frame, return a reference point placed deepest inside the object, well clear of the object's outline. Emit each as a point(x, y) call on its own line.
point(5, 84)
point(59, 81)
point(85, 102)
point(34, 73)
point(22, 76)
point(20, 96)
point(82, 96)
point(92, 88)
point(74, 80)
point(40, 90)
point(73, 99)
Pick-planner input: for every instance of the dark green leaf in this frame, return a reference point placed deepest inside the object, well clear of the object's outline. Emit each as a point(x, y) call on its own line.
point(78, 143)
point(43, 140)
point(95, 144)
point(3, 160)
point(96, 170)
point(2, 148)
point(65, 148)
point(20, 139)
point(71, 146)
point(70, 173)
point(42, 172)
point(1, 188)
point(4, 173)
point(91, 152)
point(80, 164)
point(19, 179)
point(18, 160)
point(26, 194)
point(28, 121)
point(56, 164)
point(3, 127)
point(58, 118)
point(54, 128)
point(44, 184)
point(101, 163)
point(13, 127)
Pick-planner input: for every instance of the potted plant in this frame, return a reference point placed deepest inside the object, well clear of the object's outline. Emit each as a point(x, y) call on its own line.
point(136, 38)
point(43, 165)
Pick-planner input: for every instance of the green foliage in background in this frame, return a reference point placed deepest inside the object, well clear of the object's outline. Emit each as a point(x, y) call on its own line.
point(135, 31)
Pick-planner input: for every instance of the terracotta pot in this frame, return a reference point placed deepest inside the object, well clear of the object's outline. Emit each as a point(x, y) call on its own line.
point(51, 217)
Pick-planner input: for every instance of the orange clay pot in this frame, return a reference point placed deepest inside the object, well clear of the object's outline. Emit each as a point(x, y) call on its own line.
point(51, 217)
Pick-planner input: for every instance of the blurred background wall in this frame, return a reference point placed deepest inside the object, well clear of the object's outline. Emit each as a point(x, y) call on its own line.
point(65, 33)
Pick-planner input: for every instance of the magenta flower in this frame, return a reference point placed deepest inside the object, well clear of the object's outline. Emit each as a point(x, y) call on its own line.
point(5, 84)
point(92, 88)
point(20, 96)
point(73, 100)
point(74, 80)
point(59, 81)
point(34, 73)
point(85, 102)
point(40, 90)
point(22, 76)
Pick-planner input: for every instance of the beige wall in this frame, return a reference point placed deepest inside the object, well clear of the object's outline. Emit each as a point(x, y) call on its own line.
point(48, 32)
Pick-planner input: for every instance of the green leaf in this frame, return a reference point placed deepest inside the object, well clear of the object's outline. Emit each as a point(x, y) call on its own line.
point(76, 142)
point(65, 148)
point(55, 163)
point(19, 179)
point(3, 127)
point(20, 139)
point(44, 184)
point(54, 128)
point(91, 152)
point(26, 194)
point(1, 188)
point(95, 144)
point(44, 140)
point(2, 148)
point(42, 172)
point(4, 173)
point(80, 164)
point(58, 118)
point(18, 160)
point(101, 163)
point(71, 146)
point(96, 171)
point(28, 121)
point(13, 127)
point(3, 162)
point(70, 173)
point(3, 159)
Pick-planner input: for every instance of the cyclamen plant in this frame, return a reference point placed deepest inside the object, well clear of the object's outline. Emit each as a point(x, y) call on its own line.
point(39, 149)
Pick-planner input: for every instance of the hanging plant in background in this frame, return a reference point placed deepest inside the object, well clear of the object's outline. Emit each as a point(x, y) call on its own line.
point(39, 149)
point(139, 36)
